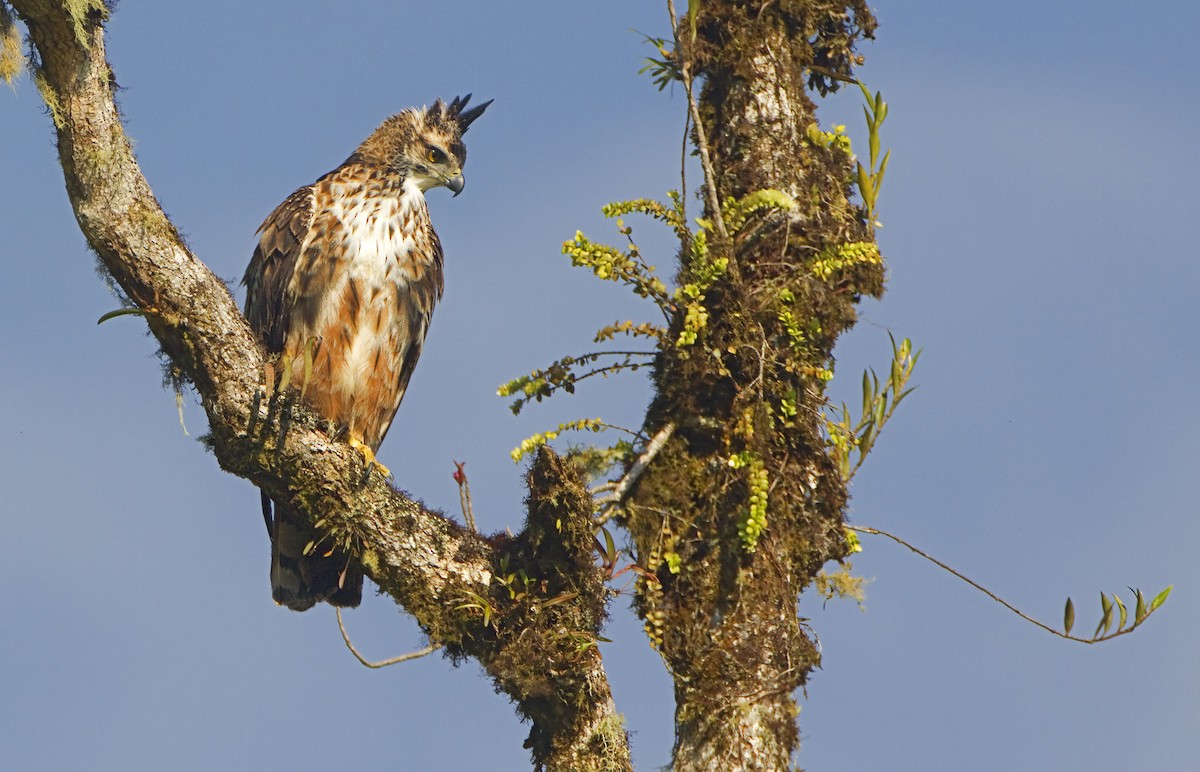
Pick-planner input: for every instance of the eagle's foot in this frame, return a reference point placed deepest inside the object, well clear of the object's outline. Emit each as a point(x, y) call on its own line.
point(369, 456)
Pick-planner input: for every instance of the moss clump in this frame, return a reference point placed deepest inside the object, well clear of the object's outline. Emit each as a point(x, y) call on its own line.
point(12, 59)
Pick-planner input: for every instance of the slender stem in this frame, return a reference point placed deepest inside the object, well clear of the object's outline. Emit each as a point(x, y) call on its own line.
point(710, 177)
point(431, 648)
point(997, 598)
point(683, 186)
point(464, 494)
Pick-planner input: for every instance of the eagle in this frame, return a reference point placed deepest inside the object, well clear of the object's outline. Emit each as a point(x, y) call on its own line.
point(341, 287)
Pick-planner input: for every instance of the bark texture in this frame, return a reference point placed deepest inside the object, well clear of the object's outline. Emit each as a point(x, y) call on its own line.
point(447, 576)
point(747, 397)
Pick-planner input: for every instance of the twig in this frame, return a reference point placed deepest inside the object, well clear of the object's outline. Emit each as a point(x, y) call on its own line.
point(464, 494)
point(608, 504)
point(710, 178)
point(431, 648)
point(683, 186)
point(876, 532)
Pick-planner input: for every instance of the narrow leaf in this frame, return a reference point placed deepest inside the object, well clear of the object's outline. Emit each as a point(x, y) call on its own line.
point(1161, 598)
point(866, 441)
point(866, 406)
point(1106, 607)
point(1140, 613)
point(882, 169)
point(610, 548)
point(566, 596)
point(865, 91)
point(865, 188)
point(1069, 617)
point(122, 312)
point(1124, 613)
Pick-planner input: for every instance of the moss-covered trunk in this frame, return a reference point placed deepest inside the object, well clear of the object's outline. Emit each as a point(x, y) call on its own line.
point(744, 504)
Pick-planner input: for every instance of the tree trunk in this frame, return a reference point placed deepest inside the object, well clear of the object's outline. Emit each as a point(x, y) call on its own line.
point(747, 397)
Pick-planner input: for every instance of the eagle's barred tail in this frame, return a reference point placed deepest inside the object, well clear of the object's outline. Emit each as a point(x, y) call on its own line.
point(299, 581)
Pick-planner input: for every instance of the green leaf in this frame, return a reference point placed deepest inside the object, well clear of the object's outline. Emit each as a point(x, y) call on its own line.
point(122, 312)
point(882, 169)
point(865, 91)
point(1069, 617)
point(1161, 598)
point(1106, 617)
point(866, 441)
point(1124, 614)
point(1140, 613)
point(913, 362)
point(865, 188)
point(867, 395)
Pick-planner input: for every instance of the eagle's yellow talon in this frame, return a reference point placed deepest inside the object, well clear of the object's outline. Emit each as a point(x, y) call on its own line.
point(369, 457)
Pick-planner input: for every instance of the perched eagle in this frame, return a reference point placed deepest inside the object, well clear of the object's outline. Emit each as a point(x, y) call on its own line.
point(342, 286)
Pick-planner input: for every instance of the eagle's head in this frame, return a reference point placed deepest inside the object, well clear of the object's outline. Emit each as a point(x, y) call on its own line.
point(423, 144)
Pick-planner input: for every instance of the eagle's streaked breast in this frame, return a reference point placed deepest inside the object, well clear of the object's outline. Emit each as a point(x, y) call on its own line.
point(372, 251)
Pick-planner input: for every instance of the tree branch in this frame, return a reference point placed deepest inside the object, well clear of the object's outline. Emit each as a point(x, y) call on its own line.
point(425, 561)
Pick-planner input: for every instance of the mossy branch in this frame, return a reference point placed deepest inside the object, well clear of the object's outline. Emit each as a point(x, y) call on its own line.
point(422, 559)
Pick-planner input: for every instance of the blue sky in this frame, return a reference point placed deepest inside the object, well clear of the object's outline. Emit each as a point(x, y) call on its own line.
point(1039, 223)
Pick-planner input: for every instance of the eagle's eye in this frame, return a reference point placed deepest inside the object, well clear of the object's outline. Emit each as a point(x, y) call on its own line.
point(434, 156)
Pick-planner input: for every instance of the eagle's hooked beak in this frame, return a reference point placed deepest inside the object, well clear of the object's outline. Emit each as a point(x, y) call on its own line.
point(456, 183)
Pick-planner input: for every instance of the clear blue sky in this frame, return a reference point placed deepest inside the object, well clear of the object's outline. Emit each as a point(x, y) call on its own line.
point(1041, 230)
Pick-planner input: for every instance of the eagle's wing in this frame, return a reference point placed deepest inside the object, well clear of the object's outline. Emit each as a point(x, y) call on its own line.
point(281, 238)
